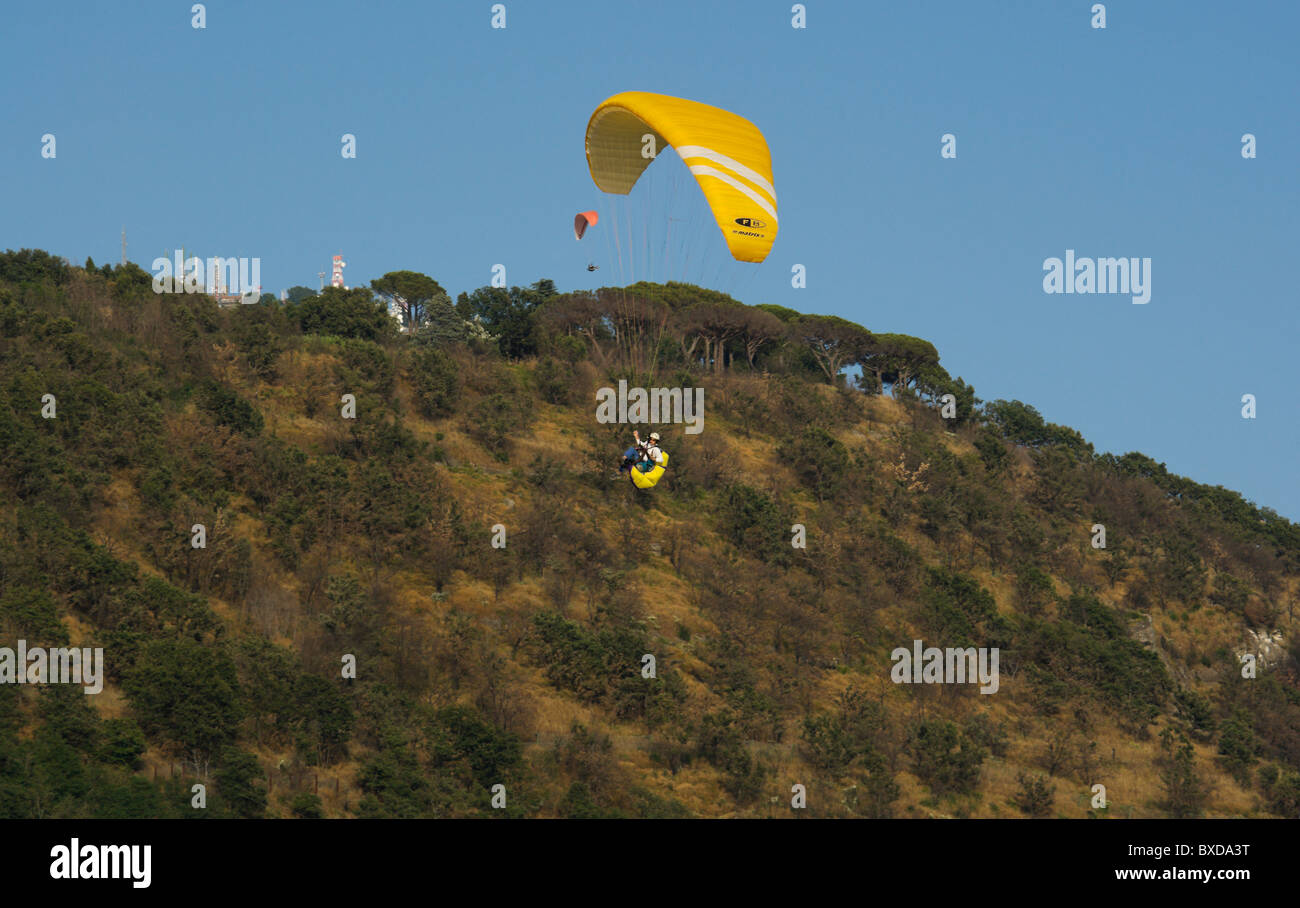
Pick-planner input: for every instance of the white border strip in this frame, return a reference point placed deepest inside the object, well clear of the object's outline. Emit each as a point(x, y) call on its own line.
point(703, 170)
point(699, 151)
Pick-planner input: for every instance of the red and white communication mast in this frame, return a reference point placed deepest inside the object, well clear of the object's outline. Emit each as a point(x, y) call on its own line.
point(337, 279)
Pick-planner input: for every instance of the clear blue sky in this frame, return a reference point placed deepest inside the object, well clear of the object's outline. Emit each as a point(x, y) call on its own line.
point(1122, 142)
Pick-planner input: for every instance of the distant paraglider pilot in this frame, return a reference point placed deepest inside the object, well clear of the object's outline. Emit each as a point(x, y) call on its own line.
point(592, 267)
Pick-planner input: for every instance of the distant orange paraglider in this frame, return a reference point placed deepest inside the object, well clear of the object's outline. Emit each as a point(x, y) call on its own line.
point(581, 221)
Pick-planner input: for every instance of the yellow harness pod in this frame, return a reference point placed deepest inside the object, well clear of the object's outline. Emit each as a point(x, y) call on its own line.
point(648, 480)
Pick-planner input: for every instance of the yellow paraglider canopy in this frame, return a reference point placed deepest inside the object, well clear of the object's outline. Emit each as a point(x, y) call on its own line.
point(726, 153)
point(650, 479)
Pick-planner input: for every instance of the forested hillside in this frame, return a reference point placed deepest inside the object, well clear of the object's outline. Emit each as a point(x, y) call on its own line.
point(456, 530)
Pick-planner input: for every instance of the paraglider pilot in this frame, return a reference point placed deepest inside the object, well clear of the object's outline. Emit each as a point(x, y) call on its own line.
point(644, 455)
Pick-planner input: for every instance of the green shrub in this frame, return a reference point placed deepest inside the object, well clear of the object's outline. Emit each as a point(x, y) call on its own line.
point(435, 379)
point(228, 409)
point(754, 522)
point(944, 758)
point(819, 460)
point(1035, 797)
point(306, 806)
